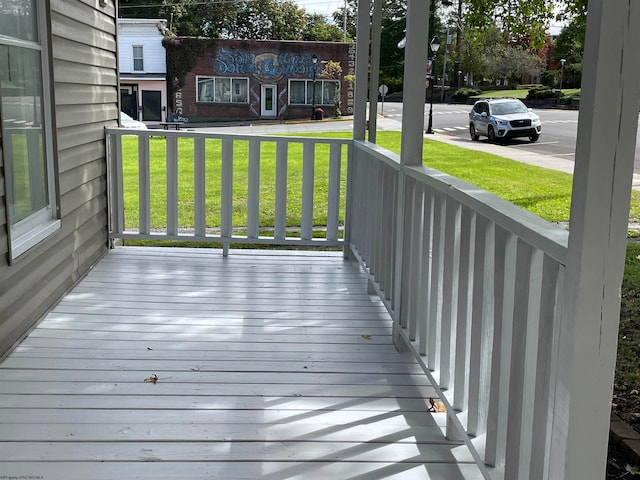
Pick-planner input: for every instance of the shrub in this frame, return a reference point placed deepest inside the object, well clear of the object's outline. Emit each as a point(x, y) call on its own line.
point(462, 94)
point(540, 92)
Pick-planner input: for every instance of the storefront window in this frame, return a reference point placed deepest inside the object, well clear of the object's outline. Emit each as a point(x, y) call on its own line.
point(222, 90)
point(301, 92)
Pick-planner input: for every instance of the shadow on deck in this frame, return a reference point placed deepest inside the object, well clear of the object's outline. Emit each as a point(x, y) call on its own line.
point(271, 365)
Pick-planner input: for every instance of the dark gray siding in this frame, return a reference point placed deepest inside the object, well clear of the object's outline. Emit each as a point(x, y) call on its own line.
point(83, 43)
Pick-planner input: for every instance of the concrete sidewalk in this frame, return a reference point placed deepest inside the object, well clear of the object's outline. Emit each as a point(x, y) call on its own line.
point(531, 158)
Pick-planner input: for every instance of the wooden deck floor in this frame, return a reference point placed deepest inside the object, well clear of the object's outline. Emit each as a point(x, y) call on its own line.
point(270, 366)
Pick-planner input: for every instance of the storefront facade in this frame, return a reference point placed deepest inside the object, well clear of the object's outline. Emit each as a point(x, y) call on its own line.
point(212, 79)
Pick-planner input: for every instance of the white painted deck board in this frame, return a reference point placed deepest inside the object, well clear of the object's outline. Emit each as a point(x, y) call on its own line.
point(231, 470)
point(271, 365)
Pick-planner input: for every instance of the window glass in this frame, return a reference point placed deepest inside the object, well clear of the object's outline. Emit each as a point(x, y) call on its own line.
point(297, 92)
point(312, 90)
point(21, 80)
point(329, 91)
point(240, 90)
point(205, 90)
point(25, 131)
point(301, 92)
point(138, 58)
point(223, 90)
point(18, 19)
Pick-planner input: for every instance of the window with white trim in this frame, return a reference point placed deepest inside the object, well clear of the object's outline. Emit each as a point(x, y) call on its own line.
point(138, 58)
point(301, 92)
point(25, 133)
point(222, 90)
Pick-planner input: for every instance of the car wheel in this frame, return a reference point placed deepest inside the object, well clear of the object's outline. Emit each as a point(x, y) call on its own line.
point(534, 137)
point(491, 134)
point(472, 131)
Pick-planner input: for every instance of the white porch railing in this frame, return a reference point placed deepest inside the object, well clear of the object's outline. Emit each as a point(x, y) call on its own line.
point(213, 161)
point(472, 281)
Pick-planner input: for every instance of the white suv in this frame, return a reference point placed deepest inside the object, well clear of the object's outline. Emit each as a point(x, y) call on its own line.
point(503, 118)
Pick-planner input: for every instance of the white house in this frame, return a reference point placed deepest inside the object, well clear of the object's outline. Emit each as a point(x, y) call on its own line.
point(142, 67)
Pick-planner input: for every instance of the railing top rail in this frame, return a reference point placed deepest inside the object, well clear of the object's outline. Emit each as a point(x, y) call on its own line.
point(538, 232)
point(389, 158)
point(220, 135)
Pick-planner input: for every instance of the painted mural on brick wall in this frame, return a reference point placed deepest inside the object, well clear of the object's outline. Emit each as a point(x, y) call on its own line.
point(265, 67)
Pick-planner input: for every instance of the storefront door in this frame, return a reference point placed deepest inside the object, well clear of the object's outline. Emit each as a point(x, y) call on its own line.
point(269, 102)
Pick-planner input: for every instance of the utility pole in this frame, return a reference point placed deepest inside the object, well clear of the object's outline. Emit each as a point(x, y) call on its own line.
point(456, 61)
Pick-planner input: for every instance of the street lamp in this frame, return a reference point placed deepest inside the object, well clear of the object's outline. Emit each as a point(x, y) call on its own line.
point(562, 62)
point(314, 61)
point(434, 45)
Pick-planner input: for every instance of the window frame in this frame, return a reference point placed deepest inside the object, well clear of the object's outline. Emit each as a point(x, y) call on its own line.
point(40, 224)
point(134, 58)
point(232, 94)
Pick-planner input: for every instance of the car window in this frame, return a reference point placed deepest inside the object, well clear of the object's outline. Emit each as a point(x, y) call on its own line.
point(507, 108)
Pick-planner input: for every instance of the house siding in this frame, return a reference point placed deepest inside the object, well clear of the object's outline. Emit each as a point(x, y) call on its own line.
point(143, 93)
point(146, 33)
point(85, 84)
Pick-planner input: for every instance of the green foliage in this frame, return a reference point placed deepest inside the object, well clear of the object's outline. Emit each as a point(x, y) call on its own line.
point(511, 63)
point(462, 94)
point(626, 397)
point(570, 42)
point(542, 91)
point(182, 54)
point(319, 30)
point(549, 78)
point(521, 23)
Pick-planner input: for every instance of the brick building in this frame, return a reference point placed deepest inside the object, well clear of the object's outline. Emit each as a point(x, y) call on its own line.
point(213, 79)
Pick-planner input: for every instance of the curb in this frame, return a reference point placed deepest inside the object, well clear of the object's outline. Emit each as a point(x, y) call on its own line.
point(626, 439)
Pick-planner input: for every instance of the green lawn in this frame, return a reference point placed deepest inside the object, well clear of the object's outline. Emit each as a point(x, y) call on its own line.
point(546, 193)
point(213, 167)
point(521, 93)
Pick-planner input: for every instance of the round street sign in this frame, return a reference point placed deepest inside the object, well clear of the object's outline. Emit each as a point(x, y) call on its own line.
point(383, 89)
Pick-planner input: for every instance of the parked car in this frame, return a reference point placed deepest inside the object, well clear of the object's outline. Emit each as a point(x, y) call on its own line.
point(500, 118)
point(127, 122)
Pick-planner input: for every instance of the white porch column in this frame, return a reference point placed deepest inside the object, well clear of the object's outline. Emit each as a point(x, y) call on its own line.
point(361, 87)
point(413, 101)
point(599, 214)
point(375, 69)
point(415, 64)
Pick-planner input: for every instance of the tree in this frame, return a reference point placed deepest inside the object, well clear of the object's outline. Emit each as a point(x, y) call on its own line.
point(319, 30)
point(242, 19)
point(351, 10)
point(570, 42)
point(511, 63)
point(523, 23)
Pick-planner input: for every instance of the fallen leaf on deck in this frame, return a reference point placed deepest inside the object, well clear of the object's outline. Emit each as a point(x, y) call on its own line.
point(149, 348)
point(632, 470)
point(152, 379)
point(436, 406)
point(366, 336)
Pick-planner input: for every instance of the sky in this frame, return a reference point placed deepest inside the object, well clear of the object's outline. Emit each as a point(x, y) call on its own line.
point(324, 7)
